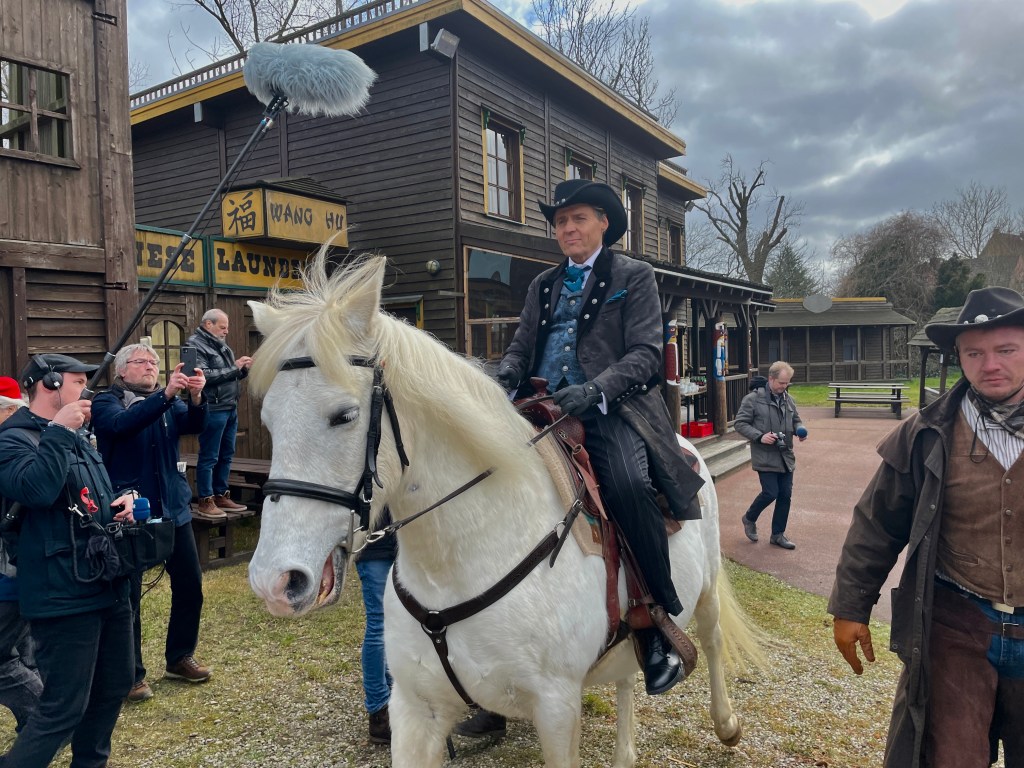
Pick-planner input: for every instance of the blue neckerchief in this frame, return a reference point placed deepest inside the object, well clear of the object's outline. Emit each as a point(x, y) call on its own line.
point(574, 277)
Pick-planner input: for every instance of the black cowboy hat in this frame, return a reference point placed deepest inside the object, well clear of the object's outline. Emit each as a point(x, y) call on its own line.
point(984, 308)
point(585, 192)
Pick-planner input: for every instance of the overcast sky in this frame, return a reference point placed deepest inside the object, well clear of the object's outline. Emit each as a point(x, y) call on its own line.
point(862, 108)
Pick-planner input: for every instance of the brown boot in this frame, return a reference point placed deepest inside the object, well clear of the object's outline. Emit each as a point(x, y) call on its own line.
point(380, 726)
point(223, 501)
point(210, 511)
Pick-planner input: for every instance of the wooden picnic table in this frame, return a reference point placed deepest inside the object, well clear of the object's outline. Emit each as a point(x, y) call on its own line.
point(888, 393)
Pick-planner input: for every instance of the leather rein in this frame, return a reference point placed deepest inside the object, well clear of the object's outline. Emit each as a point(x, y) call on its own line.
point(434, 623)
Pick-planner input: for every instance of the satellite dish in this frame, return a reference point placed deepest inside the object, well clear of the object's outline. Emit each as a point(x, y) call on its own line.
point(817, 302)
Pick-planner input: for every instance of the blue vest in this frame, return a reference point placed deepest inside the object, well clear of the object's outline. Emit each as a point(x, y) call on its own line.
point(559, 358)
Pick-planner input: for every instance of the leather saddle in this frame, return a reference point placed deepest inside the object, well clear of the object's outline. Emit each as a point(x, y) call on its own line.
point(597, 534)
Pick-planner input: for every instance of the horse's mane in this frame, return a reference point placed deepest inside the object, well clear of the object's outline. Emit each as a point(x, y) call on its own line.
point(338, 315)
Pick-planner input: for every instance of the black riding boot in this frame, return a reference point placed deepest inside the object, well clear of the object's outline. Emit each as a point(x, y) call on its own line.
point(483, 723)
point(662, 667)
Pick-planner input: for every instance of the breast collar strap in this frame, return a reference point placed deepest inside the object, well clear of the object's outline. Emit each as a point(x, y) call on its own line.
point(359, 501)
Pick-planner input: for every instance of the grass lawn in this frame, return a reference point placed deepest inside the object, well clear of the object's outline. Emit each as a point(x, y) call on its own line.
point(817, 394)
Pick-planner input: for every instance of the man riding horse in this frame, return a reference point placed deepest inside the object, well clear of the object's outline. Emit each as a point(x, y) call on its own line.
point(592, 328)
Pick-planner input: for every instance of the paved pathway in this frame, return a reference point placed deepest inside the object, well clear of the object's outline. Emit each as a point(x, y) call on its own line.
point(833, 466)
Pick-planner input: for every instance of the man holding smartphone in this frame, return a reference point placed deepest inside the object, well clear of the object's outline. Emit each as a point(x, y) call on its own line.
point(217, 442)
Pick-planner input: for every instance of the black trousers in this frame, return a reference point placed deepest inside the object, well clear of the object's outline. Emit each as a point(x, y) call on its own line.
point(777, 487)
point(186, 602)
point(619, 457)
point(86, 664)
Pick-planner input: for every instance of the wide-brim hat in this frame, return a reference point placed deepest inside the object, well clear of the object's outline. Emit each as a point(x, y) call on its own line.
point(985, 308)
point(585, 192)
point(57, 363)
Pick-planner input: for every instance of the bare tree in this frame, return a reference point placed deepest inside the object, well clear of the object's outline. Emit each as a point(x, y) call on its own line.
point(246, 22)
point(897, 259)
point(612, 43)
point(138, 74)
point(706, 252)
point(969, 220)
point(731, 207)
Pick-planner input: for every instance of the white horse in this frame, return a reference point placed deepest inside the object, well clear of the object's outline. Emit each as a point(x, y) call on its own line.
point(531, 653)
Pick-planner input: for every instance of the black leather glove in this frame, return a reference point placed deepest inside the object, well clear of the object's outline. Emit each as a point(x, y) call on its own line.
point(577, 398)
point(507, 377)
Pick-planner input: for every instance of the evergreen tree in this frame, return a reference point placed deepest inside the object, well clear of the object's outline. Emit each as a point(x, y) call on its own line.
point(953, 281)
point(789, 275)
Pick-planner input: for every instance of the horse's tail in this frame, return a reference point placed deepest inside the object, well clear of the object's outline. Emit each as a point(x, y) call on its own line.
point(743, 642)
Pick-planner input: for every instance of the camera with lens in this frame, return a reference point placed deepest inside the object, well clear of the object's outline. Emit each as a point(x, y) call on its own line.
point(780, 440)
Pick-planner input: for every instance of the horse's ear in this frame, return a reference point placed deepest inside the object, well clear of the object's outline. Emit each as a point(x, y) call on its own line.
point(363, 305)
point(264, 316)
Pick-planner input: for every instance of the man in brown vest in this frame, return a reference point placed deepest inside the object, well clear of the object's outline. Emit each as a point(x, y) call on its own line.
point(951, 491)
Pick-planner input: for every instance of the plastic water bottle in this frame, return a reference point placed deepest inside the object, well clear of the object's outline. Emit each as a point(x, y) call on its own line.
point(140, 510)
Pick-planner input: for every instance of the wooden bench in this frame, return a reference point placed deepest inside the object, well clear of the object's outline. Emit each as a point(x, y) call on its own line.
point(886, 393)
point(216, 540)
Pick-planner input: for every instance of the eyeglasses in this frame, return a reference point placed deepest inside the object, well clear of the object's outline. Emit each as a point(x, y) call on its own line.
point(140, 361)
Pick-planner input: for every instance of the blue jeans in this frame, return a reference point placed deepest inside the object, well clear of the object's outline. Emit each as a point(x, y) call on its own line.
point(376, 679)
point(777, 487)
point(216, 449)
point(86, 663)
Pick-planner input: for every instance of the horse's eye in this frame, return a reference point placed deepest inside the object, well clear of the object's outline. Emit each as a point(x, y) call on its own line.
point(346, 416)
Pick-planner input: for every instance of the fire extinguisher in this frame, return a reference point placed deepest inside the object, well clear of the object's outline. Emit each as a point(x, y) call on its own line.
point(672, 354)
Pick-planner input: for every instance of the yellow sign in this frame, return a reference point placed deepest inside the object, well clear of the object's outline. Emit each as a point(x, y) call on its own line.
point(152, 249)
point(247, 265)
point(252, 213)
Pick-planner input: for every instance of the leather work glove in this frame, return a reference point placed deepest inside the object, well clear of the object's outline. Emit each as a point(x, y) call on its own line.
point(848, 634)
point(577, 398)
point(507, 377)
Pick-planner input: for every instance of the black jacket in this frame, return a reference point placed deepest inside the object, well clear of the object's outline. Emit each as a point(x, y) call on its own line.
point(139, 444)
point(223, 377)
point(52, 545)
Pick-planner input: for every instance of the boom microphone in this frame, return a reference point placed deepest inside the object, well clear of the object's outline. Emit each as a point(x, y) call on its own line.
point(315, 80)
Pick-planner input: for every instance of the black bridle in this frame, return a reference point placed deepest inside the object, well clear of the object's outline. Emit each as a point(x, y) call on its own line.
point(359, 500)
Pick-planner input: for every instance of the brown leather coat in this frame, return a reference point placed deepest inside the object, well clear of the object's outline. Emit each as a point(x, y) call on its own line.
point(901, 508)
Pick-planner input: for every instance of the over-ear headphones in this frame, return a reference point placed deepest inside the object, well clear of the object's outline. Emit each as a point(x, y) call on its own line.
point(51, 379)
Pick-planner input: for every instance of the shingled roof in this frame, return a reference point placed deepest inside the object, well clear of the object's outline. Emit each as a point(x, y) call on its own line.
point(791, 313)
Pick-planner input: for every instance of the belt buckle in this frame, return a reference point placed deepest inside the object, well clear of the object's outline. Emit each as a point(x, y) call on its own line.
point(1002, 607)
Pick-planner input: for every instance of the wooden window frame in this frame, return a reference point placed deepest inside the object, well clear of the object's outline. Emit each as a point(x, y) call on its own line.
point(633, 202)
point(514, 138)
point(168, 354)
point(584, 167)
point(675, 243)
point(34, 114)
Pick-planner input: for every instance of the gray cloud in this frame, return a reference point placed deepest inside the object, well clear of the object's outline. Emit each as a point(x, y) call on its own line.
point(860, 118)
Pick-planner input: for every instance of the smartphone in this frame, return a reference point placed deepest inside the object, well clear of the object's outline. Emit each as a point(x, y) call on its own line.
point(190, 359)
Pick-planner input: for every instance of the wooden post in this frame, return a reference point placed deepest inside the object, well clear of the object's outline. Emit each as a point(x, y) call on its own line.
point(717, 370)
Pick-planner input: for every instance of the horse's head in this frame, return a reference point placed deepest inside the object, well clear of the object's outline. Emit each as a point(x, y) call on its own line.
point(316, 372)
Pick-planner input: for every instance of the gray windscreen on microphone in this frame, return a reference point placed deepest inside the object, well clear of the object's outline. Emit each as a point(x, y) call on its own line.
point(315, 80)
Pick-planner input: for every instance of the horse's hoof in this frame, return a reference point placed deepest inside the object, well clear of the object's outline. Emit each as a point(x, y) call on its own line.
point(731, 740)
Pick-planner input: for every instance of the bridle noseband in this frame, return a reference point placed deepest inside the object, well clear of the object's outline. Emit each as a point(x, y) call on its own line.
point(358, 501)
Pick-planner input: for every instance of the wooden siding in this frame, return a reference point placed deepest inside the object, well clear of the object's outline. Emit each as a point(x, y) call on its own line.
point(66, 225)
point(517, 102)
point(642, 170)
point(572, 129)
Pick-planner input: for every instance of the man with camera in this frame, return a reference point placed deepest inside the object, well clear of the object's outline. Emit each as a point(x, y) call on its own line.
point(138, 424)
point(223, 373)
point(77, 608)
point(768, 418)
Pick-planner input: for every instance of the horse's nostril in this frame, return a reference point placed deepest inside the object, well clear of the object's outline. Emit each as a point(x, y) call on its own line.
point(297, 585)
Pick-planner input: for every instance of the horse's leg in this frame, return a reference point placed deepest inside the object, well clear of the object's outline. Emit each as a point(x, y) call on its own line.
point(557, 719)
point(625, 747)
point(417, 731)
point(709, 632)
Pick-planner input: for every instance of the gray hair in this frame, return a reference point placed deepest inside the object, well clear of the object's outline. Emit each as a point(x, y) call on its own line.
point(778, 367)
point(126, 353)
point(10, 402)
point(212, 316)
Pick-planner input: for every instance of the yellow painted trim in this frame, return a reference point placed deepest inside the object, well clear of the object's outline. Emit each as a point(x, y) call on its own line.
point(428, 10)
point(670, 174)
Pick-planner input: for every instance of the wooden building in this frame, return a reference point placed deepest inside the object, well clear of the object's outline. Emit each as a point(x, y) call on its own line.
point(855, 339)
point(67, 273)
point(472, 120)
point(933, 360)
point(1001, 261)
